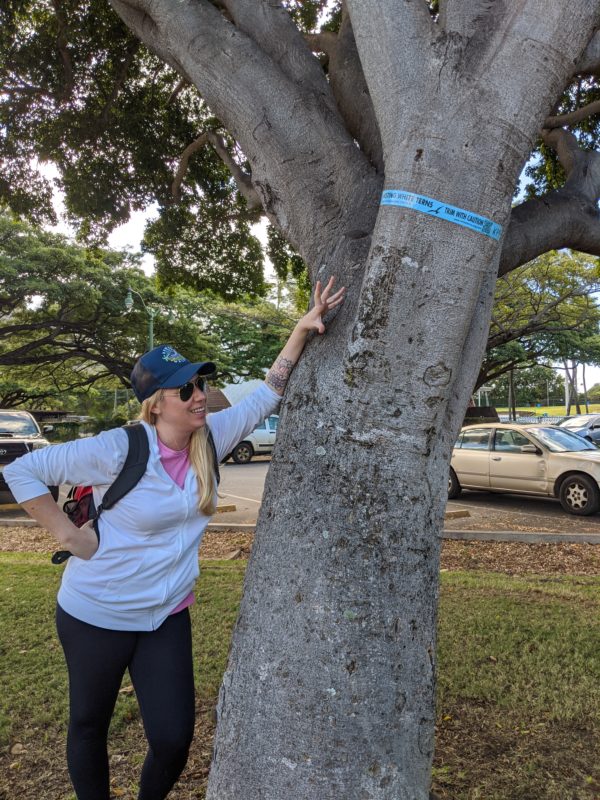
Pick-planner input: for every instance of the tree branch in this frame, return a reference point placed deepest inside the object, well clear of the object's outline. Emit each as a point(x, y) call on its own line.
point(549, 223)
point(468, 18)
point(392, 40)
point(297, 144)
point(493, 371)
point(120, 78)
point(536, 324)
point(351, 92)
point(271, 27)
point(184, 161)
point(25, 90)
point(562, 34)
point(177, 90)
point(242, 179)
point(589, 63)
point(563, 120)
point(134, 15)
point(323, 42)
point(566, 217)
point(63, 49)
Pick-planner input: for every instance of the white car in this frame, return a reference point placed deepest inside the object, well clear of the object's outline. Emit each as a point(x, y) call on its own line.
point(19, 434)
point(260, 442)
point(542, 460)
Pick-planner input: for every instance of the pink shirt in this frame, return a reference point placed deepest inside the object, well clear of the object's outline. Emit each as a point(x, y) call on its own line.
point(176, 464)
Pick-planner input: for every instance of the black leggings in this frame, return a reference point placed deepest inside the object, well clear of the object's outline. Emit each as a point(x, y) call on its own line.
point(161, 669)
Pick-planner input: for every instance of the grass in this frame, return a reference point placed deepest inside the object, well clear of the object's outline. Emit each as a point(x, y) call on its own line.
point(32, 667)
point(518, 686)
point(552, 411)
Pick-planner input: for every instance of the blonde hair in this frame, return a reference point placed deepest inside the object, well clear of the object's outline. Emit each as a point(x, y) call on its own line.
point(201, 456)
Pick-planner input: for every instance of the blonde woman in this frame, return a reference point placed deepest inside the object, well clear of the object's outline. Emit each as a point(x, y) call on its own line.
point(124, 597)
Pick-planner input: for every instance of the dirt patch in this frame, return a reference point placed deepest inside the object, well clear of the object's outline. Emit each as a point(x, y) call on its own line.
point(226, 544)
point(215, 544)
point(501, 513)
point(481, 755)
point(511, 558)
point(517, 558)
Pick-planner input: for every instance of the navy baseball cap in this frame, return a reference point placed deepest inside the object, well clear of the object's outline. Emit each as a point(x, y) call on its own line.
point(164, 368)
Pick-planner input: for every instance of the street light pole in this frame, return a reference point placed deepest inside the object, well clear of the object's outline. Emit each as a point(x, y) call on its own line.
point(151, 315)
point(151, 312)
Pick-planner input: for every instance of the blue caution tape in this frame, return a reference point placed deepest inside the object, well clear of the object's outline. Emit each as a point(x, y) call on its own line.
point(426, 205)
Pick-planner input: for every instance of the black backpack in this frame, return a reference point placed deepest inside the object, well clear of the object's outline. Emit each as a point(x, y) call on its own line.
point(79, 505)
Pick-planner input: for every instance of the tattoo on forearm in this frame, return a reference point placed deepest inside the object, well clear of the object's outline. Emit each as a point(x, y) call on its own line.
point(278, 375)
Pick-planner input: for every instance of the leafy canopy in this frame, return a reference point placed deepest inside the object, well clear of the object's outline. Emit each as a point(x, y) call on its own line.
point(78, 90)
point(544, 312)
point(64, 328)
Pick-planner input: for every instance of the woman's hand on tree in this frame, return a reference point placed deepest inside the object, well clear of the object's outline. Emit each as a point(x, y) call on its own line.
point(324, 302)
point(277, 376)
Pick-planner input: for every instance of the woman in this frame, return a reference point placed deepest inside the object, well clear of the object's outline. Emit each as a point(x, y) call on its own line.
point(124, 597)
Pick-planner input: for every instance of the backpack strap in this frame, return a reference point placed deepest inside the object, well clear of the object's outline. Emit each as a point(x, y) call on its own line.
point(132, 470)
point(213, 448)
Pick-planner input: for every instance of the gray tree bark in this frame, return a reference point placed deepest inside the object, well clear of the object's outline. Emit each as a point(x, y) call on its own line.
point(329, 691)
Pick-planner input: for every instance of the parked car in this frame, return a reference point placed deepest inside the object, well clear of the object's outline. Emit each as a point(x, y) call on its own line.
point(19, 434)
point(260, 442)
point(586, 425)
point(542, 460)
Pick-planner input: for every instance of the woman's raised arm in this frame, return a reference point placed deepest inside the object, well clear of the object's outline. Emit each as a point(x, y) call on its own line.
point(277, 376)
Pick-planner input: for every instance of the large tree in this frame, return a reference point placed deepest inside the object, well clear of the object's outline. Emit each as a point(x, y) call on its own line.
point(329, 691)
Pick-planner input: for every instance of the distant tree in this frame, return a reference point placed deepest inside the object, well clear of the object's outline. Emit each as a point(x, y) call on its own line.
point(594, 393)
point(543, 312)
point(531, 384)
point(63, 324)
point(575, 349)
point(62, 313)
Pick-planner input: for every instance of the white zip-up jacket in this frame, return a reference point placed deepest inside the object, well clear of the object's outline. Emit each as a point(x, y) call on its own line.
point(147, 559)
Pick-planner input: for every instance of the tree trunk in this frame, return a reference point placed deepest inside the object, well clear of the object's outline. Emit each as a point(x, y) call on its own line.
point(329, 690)
point(567, 388)
point(512, 400)
point(571, 383)
point(575, 389)
point(331, 675)
point(568, 393)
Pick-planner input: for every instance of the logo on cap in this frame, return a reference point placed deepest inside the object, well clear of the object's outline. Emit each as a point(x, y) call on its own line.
point(171, 355)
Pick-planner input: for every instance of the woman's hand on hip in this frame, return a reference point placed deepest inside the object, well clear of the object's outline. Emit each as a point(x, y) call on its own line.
point(84, 543)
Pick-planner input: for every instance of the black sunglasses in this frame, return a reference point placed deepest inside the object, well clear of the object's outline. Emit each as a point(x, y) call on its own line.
point(187, 390)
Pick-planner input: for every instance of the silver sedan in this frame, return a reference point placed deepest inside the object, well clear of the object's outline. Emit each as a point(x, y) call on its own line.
point(541, 460)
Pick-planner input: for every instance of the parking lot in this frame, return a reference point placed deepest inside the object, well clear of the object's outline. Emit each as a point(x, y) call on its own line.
point(490, 511)
point(242, 486)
